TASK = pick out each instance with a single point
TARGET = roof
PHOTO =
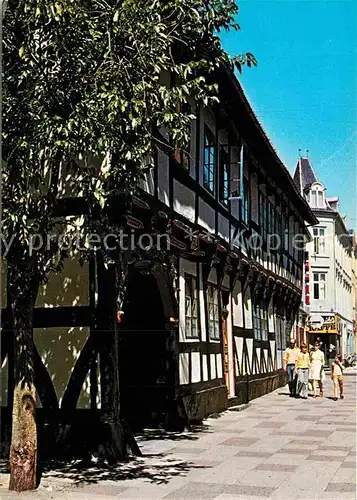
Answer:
(304, 175)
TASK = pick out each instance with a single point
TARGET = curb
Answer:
(239, 407)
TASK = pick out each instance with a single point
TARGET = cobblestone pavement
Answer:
(279, 448)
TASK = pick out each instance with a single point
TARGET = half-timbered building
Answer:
(208, 314)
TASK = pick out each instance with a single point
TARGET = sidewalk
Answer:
(279, 448)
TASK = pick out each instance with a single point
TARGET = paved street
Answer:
(278, 448)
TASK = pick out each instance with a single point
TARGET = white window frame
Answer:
(319, 279)
(319, 235)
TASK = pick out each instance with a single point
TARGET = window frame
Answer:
(319, 237)
(224, 168)
(214, 306)
(191, 285)
(245, 201)
(209, 167)
(319, 285)
(260, 321)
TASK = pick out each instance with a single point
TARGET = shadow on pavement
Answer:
(158, 469)
(192, 434)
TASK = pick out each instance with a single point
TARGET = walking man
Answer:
(302, 369)
(290, 357)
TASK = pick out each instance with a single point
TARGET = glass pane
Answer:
(188, 307)
(314, 198)
(188, 327)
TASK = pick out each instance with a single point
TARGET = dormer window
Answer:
(317, 197)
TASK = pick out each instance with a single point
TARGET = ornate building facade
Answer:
(328, 273)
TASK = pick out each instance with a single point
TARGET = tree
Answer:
(83, 79)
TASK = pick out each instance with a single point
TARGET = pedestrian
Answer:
(302, 369)
(289, 361)
(317, 360)
(337, 377)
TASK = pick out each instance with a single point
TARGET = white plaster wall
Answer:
(206, 216)
(59, 349)
(223, 228)
(184, 201)
(213, 366)
(248, 310)
(237, 305)
(205, 367)
(239, 351)
(202, 308)
(338, 297)
(68, 288)
(195, 367)
(184, 367)
(271, 326)
(219, 362)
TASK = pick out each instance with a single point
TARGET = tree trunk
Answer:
(117, 438)
(112, 446)
(23, 288)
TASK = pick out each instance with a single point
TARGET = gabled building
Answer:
(205, 321)
(328, 273)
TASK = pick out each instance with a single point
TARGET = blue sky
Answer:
(304, 89)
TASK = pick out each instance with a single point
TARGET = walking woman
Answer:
(302, 368)
(337, 377)
(317, 360)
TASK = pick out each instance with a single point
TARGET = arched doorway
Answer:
(147, 354)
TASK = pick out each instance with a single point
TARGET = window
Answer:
(319, 240)
(314, 199)
(286, 231)
(260, 322)
(209, 166)
(319, 286)
(280, 335)
(320, 199)
(245, 201)
(191, 307)
(213, 312)
(224, 175)
(272, 219)
(263, 216)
